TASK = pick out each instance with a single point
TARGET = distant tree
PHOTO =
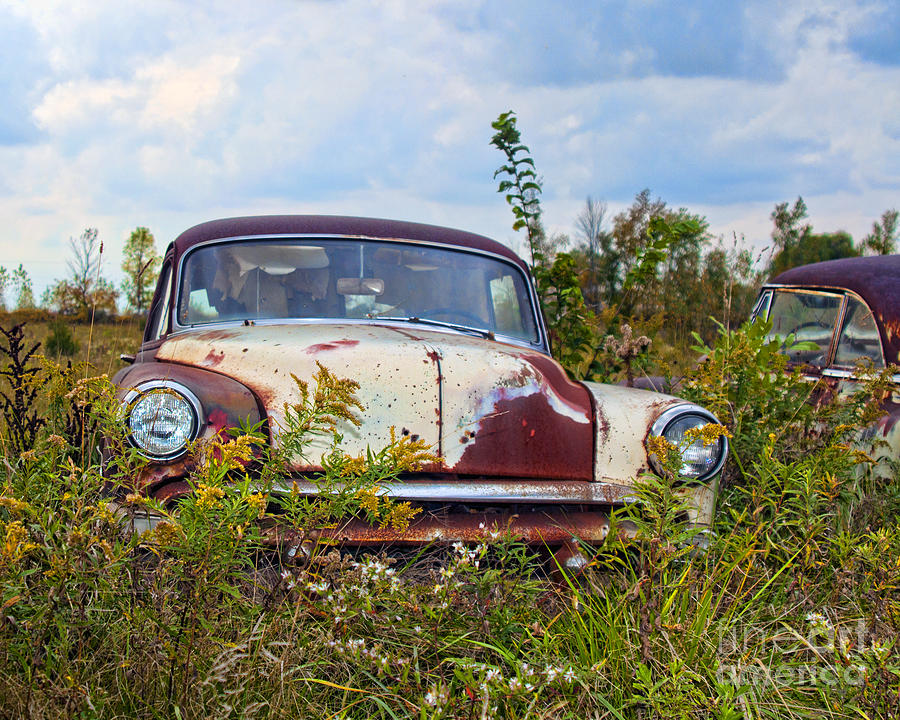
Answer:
(602, 258)
(788, 230)
(812, 248)
(630, 231)
(728, 286)
(84, 266)
(4, 283)
(24, 288)
(139, 264)
(646, 230)
(85, 290)
(794, 243)
(883, 238)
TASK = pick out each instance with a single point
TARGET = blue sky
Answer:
(170, 113)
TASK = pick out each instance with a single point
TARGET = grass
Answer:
(99, 344)
(792, 611)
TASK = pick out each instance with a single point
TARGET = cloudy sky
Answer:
(168, 113)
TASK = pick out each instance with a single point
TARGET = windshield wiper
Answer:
(481, 332)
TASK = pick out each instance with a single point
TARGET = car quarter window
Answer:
(158, 320)
(859, 337)
(761, 309)
(810, 317)
(505, 305)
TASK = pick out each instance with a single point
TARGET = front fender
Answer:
(623, 418)
(226, 404)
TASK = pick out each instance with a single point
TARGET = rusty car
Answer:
(443, 331)
(843, 315)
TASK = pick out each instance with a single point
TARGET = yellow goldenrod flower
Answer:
(208, 496)
(15, 506)
(15, 537)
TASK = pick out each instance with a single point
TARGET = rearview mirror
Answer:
(360, 286)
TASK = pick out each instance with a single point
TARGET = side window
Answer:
(158, 319)
(811, 317)
(507, 313)
(859, 337)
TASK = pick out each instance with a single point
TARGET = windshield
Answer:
(353, 279)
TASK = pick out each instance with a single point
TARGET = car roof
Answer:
(875, 278)
(267, 225)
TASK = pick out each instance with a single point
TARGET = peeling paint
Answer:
(335, 345)
(400, 390)
(212, 358)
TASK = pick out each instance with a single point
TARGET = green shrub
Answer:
(60, 341)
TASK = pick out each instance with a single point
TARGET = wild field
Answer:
(97, 343)
(789, 608)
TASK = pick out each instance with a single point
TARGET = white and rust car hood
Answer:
(487, 408)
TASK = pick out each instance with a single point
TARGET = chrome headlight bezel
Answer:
(174, 389)
(680, 412)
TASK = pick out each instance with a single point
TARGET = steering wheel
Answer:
(470, 318)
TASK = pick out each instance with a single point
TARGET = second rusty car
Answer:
(845, 317)
(443, 332)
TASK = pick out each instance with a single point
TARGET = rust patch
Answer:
(522, 377)
(153, 476)
(213, 335)
(325, 346)
(525, 437)
(213, 358)
(406, 334)
(602, 424)
(573, 394)
(172, 491)
(217, 421)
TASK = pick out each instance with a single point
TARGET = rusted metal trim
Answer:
(534, 528)
(500, 491)
(440, 383)
(840, 374)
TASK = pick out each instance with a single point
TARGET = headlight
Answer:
(163, 417)
(699, 461)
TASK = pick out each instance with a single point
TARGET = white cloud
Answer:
(179, 94)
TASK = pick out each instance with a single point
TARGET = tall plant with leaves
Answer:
(571, 324)
(17, 401)
(520, 181)
(576, 331)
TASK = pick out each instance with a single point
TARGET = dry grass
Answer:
(99, 343)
